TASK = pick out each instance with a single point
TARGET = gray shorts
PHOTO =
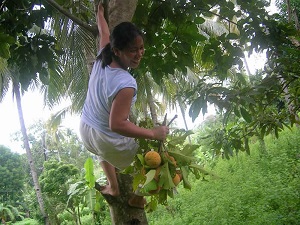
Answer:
(119, 152)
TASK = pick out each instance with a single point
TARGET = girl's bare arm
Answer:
(102, 27)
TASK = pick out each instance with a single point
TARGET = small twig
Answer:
(172, 120)
(165, 120)
(161, 143)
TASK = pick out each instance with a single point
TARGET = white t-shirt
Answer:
(104, 84)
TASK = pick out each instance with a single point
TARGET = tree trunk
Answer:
(290, 105)
(295, 13)
(121, 213)
(289, 10)
(182, 111)
(44, 145)
(120, 11)
(33, 172)
(150, 100)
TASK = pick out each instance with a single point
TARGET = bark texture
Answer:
(120, 11)
(121, 213)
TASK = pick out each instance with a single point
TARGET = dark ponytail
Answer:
(106, 55)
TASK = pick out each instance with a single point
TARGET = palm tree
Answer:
(9, 76)
(16, 90)
(8, 213)
(32, 55)
(5, 214)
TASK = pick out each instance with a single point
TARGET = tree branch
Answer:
(91, 28)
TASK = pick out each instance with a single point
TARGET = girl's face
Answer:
(131, 56)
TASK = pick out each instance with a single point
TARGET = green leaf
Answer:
(163, 196)
(150, 186)
(89, 173)
(91, 198)
(180, 140)
(74, 188)
(236, 111)
(232, 36)
(276, 132)
(199, 20)
(149, 176)
(99, 202)
(195, 108)
(199, 168)
(165, 181)
(181, 159)
(186, 183)
(141, 158)
(4, 50)
(152, 205)
(137, 180)
(189, 149)
(247, 146)
(247, 117)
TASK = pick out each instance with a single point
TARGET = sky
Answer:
(33, 111)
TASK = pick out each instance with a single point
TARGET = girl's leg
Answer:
(113, 187)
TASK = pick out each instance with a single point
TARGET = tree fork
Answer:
(120, 211)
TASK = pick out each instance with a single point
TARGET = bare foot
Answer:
(108, 190)
(137, 202)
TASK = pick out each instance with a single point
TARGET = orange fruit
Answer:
(176, 179)
(179, 173)
(152, 159)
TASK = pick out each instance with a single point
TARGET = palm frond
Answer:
(78, 45)
(4, 78)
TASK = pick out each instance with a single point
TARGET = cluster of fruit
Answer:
(160, 172)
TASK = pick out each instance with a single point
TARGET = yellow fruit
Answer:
(176, 179)
(152, 159)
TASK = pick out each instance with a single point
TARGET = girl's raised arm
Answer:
(102, 27)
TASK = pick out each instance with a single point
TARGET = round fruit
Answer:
(176, 179)
(152, 159)
(179, 173)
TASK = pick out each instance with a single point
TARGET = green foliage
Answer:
(12, 176)
(83, 194)
(256, 189)
(26, 44)
(28, 221)
(55, 181)
(62, 145)
(9, 214)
